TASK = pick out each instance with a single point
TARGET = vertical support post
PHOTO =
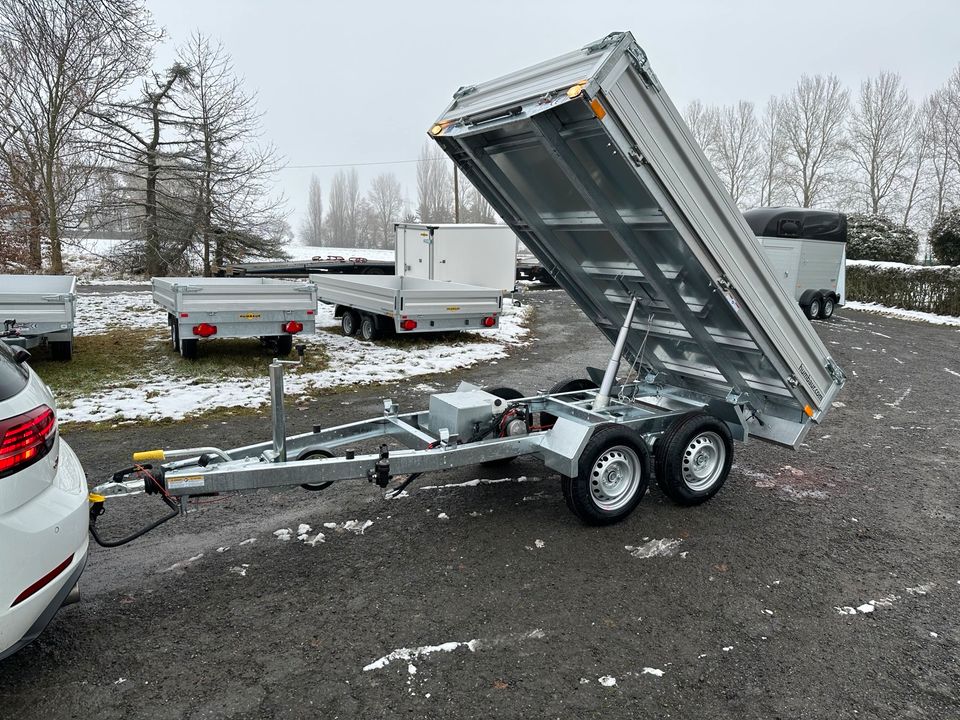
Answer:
(279, 417)
(456, 193)
(610, 376)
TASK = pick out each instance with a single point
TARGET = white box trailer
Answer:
(375, 305)
(807, 250)
(478, 254)
(271, 310)
(37, 310)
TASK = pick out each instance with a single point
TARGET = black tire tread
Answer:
(672, 443)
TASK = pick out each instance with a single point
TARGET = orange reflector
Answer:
(598, 109)
(575, 90)
(808, 410)
(436, 130)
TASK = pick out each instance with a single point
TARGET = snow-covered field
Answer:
(150, 394)
(903, 314)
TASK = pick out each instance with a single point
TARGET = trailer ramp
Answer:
(589, 162)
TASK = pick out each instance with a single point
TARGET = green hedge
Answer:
(912, 287)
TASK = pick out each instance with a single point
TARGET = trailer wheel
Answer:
(692, 458)
(175, 336)
(612, 478)
(312, 453)
(369, 328)
(61, 350)
(284, 344)
(190, 349)
(504, 393)
(827, 307)
(566, 385)
(812, 306)
(349, 322)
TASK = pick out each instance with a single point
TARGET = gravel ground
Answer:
(737, 618)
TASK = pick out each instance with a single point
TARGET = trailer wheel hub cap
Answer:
(703, 461)
(614, 478)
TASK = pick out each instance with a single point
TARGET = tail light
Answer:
(489, 321)
(26, 438)
(204, 330)
(293, 327)
(408, 324)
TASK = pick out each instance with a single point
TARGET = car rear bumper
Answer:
(53, 606)
(36, 538)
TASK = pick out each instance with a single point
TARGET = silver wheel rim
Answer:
(703, 461)
(828, 307)
(348, 326)
(815, 308)
(615, 478)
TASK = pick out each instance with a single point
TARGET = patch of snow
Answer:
(443, 516)
(652, 671)
(283, 534)
(539, 543)
(728, 648)
(99, 313)
(903, 314)
(240, 570)
(866, 608)
(665, 547)
(354, 526)
(184, 563)
(248, 541)
(223, 549)
(410, 654)
(607, 681)
(153, 394)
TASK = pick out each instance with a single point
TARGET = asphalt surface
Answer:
(741, 619)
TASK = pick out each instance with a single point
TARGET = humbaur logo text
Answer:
(808, 379)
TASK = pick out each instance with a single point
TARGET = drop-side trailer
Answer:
(200, 308)
(38, 309)
(586, 158)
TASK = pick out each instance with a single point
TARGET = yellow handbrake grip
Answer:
(148, 455)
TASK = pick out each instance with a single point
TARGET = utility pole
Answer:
(456, 194)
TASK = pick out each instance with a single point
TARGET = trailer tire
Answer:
(369, 328)
(811, 302)
(284, 345)
(692, 459)
(827, 307)
(306, 455)
(61, 350)
(349, 322)
(566, 385)
(190, 349)
(175, 335)
(505, 393)
(612, 477)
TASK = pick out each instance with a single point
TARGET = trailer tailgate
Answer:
(588, 160)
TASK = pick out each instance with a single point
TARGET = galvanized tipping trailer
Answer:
(37, 309)
(588, 161)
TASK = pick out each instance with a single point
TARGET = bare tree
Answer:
(434, 185)
(735, 152)
(814, 115)
(880, 140)
(921, 138)
(311, 230)
(702, 121)
(63, 58)
(344, 209)
(474, 206)
(773, 142)
(386, 205)
(137, 142)
(237, 214)
(938, 111)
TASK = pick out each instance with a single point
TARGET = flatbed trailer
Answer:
(333, 264)
(586, 158)
(374, 306)
(39, 309)
(201, 307)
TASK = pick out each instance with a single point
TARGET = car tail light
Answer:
(293, 327)
(205, 330)
(26, 438)
(489, 321)
(408, 324)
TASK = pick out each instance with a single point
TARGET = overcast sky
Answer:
(359, 83)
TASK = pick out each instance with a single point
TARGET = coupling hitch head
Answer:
(380, 474)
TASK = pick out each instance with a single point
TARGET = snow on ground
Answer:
(156, 395)
(665, 547)
(903, 314)
(898, 266)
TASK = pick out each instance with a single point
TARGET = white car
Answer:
(43, 507)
